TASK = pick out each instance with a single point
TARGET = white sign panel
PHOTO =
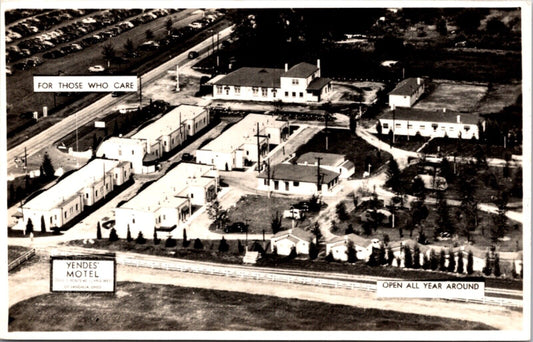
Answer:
(84, 84)
(99, 124)
(80, 275)
(431, 289)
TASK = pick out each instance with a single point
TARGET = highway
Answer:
(99, 108)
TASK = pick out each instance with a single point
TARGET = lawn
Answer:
(404, 142)
(150, 307)
(340, 141)
(13, 252)
(264, 209)
(454, 96)
(467, 148)
(499, 97)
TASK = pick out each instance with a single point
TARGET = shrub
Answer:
(425, 262)
(408, 257)
(156, 239)
(460, 262)
(451, 261)
(390, 256)
(113, 235)
(351, 252)
(433, 260)
(43, 226)
(240, 247)
(128, 235)
(470, 263)
(313, 251)
(170, 242)
(329, 257)
(185, 241)
(416, 258)
(98, 231)
(223, 245)
(198, 244)
(292, 254)
(487, 270)
(275, 224)
(497, 271)
(140, 239)
(29, 226)
(341, 211)
(442, 260)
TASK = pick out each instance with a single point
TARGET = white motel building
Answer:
(65, 200)
(149, 144)
(435, 124)
(406, 92)
(301, 83)
(167, 203)
(237, 147)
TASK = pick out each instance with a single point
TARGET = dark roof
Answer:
(330, 159)
(299, 173)
(407, 87)
(301, 70)
(318, 83)
(432, 115)
(253, 77)
(296, 232)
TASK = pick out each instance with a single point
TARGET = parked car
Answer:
(149, 45)
(193, 54)
(303, 206)
(236, 227)
(293, 213)
(96, 68)
(187, 157)
(383, 215)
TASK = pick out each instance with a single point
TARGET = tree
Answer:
(353, 124)
(275, 223)
(495, 26)
(351, 252)
(170, 242)
(517, 190)
(349, 229)
(433, 260)
(468, 214)
(407, 257)
(334, 227)
(185, 242)
(156, 239)
(500, 227)
(113, 235)
(129, 47)
(497, 271)
(108, 52)
(116, 130)
(340, 209)
(487, 270)
(217, 214)
(329, 257)
(29, 227)
(393, 176)
(418, 189)
(470, 263)
(313, 250)
(425, 262)
(43, 225)
(460, 262)
(441, 27)
(469, 20)
(240, 247)
(379, 129)
(316, 232)
(98, 231)
(443, 220)
(149, 34)
(198, 244)
(442, 260)
(382, 255)
(390, 255)
(223, 245)
(293, 253)
(47, 166)
(128, 235)
(446, 169)
(140, 238)
(416, 258)
(168, 25)
(451, 261)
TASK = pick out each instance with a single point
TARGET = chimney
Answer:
(418, 81)
(444, 110)
(286, 67)
(318, 63)
(458, 118)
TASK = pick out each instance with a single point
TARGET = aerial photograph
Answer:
(185, 173)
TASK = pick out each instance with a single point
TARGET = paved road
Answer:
(97, 109)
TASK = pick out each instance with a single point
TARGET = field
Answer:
(454, 96)
(13, 252)
(354, 148)
(147, 307)
(499, 97)
(467, 148)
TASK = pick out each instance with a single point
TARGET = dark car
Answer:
(187, 157)
(303, 206)
(236, 227)
(193, 54)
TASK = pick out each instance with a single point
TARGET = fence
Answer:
(21, 259)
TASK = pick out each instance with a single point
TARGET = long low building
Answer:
(329, 161)
(301, 83)
(435, 124)
(407, 92)
(167, 203)
(237, 147)
(149, 144)
(297, 180)
(61, 203)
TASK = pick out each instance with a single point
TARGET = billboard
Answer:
(85, 273)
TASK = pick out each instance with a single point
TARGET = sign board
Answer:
(82, 84)
(83, 273)
(448, 289)
(99, 124)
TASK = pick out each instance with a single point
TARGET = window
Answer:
(50, 219)
(119, 152)
(192, 195)
(132, 152)
(172, 141)
(76, 207)
(398, 125)
(409, 126)
(295, 183)
(106, 187)
(466, 128)
(133, 220)
(293, 94)
(274, 92)
(237, 90)
(422, 127)
(96, 195)
(165, 143)
(286, 94)
(443, 128)
(86, 195)
(255, 91)
(65, 214)
(451, 128)
(264, 92)
(219, 89)
(435, 126)
(164, 217)
(385, 125)
(247, 153)
(301, 94)
(266, 182)
(227, 90)
(286, 186)
(295, 81)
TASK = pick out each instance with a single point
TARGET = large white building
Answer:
(406, 92)
(297, 179)
(65, 200)
(329, 161)
(149, 144)
(301, 83)
(237, 146)
(167, 203)
(435, 124)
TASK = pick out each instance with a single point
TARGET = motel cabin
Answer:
(67, 199)
(407, 92)
(283, 242)
(338, 247)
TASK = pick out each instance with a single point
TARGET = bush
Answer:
(416, 258)
(240, 247)
(433, 260)
(170, 242)
(408, 257)
(140, 239)
(156, 239)
(113, 235)
(390, 256)
(487, 270)
(223, 245)
(128, 236)
(460, 262)
(198, 244)
(451, 261)
(341, 211)
(497, 271)
(292, 254)
(470, 263)
(313, 251)
(98, 231)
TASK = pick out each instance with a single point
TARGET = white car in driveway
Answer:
(96, 68)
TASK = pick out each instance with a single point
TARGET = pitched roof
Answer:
(413, 114)
(296, 232)
(407, 87)
(301, 70)
(253, 77)
(330, 159)
(356, 239)
(299, 173)
(318, 83)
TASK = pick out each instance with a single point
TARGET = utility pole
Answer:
(258, 151)
(318, 174)
(140, 92)
(393, 125)
(326, 116)
(268, 177)
(177, 77)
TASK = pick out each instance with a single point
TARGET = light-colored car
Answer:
(96, 68)
(293, 213)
